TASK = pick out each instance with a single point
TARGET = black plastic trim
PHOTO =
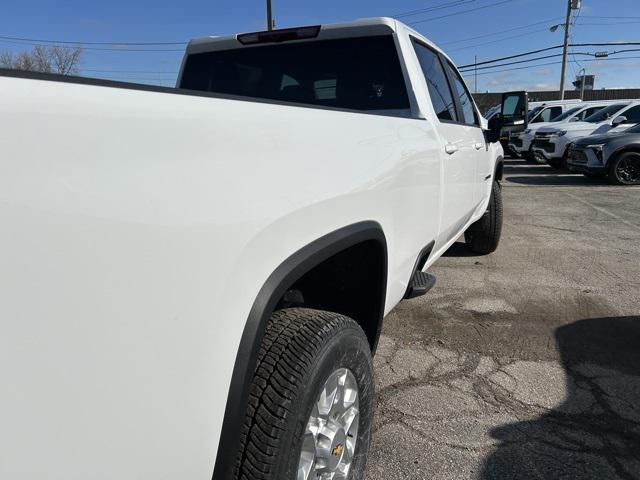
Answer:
(423, 256)
(292, 269)
(98, 82)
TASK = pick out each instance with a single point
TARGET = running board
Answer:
(420, 284)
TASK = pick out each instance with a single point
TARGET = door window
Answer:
(588, 112)
(547, 114)
(437, 83)
(464, 99)
(633, 114)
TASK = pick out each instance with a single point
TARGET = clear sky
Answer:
(486, 32)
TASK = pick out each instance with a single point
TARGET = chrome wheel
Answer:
(332, 430)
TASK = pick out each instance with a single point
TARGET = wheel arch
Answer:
(633, 148)
(294, 269)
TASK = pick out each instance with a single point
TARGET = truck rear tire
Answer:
(311, 401)
(483, 236)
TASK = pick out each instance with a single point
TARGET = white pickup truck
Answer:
(194, 279)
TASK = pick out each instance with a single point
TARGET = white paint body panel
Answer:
(137, 230)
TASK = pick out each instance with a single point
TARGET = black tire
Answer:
(528, 156)
(625, 169)
(483, 236)
(557, 163)
(300, 350)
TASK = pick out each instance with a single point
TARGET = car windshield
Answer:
(566, 114)
(533, 112)
(605, 113)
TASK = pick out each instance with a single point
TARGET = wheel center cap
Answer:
(338, 447)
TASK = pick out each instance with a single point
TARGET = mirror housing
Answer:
(515, 106)
(618, 120)
(494, 129)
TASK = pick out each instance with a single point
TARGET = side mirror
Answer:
(494, 127)
(514, 111)
(618, 120)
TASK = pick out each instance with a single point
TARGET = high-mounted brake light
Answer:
(277, 36)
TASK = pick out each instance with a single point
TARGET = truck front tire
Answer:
(311, 401)
(483, 236)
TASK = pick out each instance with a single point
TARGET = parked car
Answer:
(194, 279)
(615, 154)
(520, 143)
(551, 144)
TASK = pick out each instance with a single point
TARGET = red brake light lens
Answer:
(277, 36)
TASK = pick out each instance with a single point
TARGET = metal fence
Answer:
(488, 100)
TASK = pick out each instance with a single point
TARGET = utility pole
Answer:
(571, 5)
(269, 16)
(475, 61)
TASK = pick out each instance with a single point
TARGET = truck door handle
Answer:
(478, 146)
(450, 148)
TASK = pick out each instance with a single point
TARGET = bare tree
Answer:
(54, 59)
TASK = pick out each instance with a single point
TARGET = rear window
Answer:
(605, 113)
(355, 73)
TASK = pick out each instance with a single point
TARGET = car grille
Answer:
(578, 157)
(544, 144)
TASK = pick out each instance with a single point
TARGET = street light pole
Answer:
(567, 33)
(269, 16)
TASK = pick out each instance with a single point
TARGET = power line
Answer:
(500, 32)
(462, 12)
(527, 61)
(450, 4)
(15, 42)
(589, 54)
(517, 55)
(496, 41)
(37, 40)
(531, 52)
(468, 73)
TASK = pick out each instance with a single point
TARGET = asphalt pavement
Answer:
(523, 364)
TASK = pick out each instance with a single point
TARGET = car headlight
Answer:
(527, 131)
(597, 148)
(559, 133)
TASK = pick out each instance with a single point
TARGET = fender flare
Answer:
(499, 169)
(292, 269)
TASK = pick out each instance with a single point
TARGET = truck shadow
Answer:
(461, 249)
(595, 432)
(557, 179)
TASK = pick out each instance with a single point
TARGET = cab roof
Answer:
(364, 27)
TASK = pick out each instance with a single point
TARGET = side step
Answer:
(420, 284)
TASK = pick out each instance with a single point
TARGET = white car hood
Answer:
(569, 127)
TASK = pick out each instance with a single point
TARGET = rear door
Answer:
(458, 142)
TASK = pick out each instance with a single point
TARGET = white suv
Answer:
(520, 143)
(551, 144)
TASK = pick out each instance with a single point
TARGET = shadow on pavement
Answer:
(460, 249)
(557, 180)
(595, 433)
